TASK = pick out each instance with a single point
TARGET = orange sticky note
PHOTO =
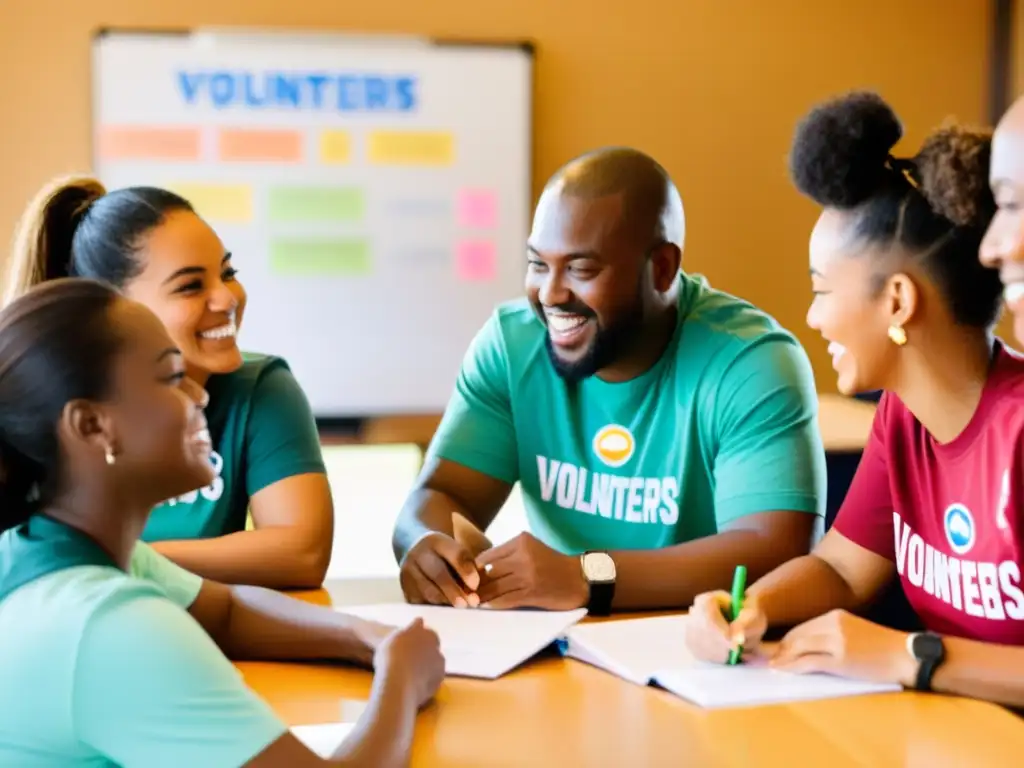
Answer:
(475, 260)
(477, 209)
(258, 145)
(146, 143)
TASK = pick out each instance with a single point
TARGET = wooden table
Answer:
(557, 712)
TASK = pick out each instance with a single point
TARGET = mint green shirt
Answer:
(99, 668)
(722, 426)
(263, 431)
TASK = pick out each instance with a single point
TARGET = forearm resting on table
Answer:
(982, 671)
(265, 625)
(672, 577)
(383, 736)
(802, 589)
(275, 557)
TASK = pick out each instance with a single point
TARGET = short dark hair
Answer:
(75, 228)
(57, 344)
(936, 205)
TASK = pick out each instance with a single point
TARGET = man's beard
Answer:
(608, 346)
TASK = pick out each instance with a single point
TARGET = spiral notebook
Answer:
(653, 652)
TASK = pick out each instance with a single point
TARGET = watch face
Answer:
(927, 646)
(598, 566)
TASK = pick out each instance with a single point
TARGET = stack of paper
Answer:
(653, 651)
(479, 642)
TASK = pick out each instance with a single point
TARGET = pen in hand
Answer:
(739, 587)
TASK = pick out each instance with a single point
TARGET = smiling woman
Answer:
(151, 245)
(935, 506)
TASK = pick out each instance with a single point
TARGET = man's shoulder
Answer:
(724, 328)
(732, 320)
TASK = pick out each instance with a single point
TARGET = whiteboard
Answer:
(374, 192)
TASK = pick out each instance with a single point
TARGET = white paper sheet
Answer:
(715, 686)
(479, 642)
(633, 649)
(653, 650)
(325, 738)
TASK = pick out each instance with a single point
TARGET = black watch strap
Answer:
(601, 594)
(928, 649)
(925, 672)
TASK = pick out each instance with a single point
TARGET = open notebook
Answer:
(652, 651)
(479, 642)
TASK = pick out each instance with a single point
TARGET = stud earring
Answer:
(109, 456)
(898, 335)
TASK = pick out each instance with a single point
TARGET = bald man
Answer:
(662, 432)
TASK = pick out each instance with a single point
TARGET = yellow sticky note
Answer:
(230, 203)
(411, 148)
(335, 147)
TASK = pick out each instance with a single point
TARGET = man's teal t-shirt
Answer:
(100, 668)
(263, 431)
(722, 426)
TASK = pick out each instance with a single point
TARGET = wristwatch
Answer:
(929, 651)
(599, 571)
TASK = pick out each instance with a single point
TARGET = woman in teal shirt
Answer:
(102, 666)
(151, 245)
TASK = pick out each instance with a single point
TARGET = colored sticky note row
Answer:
(233, 203)
(274, 145)
(475, 260)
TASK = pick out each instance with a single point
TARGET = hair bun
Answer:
(839, 152)
(953, 169)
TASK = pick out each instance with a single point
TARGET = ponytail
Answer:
(43, 240)
(57, 345)
(20, 483)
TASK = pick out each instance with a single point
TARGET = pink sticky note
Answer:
(477, 209)
(475, 260)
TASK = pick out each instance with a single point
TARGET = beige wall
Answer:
(712, 89)
(1017, 50)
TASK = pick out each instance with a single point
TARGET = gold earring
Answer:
(898, 335)
(109, 456)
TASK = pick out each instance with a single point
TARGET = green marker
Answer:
(739, 587)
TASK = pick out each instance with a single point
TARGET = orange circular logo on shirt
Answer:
(614, 445)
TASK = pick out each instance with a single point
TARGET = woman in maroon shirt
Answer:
(906, 306)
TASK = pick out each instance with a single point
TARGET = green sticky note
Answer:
(296, 204)
(336, 256)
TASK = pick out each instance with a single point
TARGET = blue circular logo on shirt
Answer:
(959, 525)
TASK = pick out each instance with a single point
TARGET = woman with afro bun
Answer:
(907, 307)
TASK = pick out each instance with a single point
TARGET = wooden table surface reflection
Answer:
(557, 712)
